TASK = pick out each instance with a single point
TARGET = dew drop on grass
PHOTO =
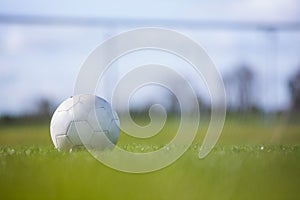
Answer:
(11, 151)
(262, 148)
(27, 152)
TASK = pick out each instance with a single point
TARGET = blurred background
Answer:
(254, 44)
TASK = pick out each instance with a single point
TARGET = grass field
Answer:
(252, 160)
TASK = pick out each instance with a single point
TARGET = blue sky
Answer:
(43, 61)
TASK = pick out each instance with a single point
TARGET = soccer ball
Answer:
(84, 120)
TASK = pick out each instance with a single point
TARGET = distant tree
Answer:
(239, 85)
(44, 108)
(245, 83)
(294, 86)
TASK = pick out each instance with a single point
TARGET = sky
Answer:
(42, 61)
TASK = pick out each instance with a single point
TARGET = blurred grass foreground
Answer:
(254, 159)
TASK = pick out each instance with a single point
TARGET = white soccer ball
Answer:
(84, 120)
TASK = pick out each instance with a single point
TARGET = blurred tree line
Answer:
(241, 92)
(44, 108)
(239, 86)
